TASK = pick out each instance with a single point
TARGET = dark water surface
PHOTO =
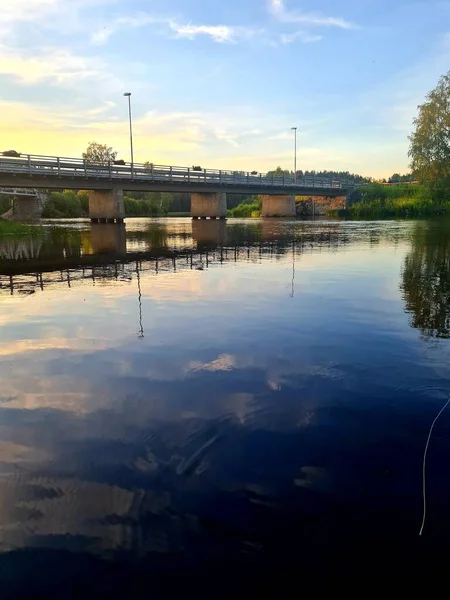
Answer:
(224, 403)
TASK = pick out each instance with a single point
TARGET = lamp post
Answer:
(294, 129)
(128, 95)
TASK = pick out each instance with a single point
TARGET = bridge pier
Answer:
(209, 205)
(26, 207)
(278, 206)
(106, 206)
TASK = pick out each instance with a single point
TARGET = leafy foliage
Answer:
(430, 140)
(278, 173)
(394, 200)
(67, 204)
(99, 154)
(250, 207)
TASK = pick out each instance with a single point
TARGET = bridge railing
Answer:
(38, 165)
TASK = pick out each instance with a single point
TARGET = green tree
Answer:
(430, 141)
(99, 154)
(278, 172)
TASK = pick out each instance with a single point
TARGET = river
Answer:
(222, 403)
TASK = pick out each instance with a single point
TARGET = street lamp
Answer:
(128, 94)
(294, 129)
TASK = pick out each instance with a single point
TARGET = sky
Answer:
(221, 84)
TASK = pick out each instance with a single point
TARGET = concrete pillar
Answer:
(26, 208)
(278, 206)
(106, 206)
(213, 206)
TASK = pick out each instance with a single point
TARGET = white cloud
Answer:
(306, 38)
(219, 33)
(278, 9)
(25, 10)
(285, 135)
(63, 15)
(18, 11)
(53, 65)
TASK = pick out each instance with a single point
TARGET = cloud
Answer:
(25, 10)
(285, 135)
(278, 9)
(218, 33)
(53, 65)
(306, 38)
(59, 15)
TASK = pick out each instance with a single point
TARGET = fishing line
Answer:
(424, 487)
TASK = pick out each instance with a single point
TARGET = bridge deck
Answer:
(29, 171)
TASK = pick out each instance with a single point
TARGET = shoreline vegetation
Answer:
(399, 200)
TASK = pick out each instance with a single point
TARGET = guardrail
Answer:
(17, 192)
(75, 167)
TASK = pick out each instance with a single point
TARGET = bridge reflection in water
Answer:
(107, 253)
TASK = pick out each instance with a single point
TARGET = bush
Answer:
(397, 201)
(66, 204)
(244, 211)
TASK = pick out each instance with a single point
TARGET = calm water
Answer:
(223, 403)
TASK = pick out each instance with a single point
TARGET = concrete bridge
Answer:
(208, 187)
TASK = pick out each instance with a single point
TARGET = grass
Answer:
(15, 228)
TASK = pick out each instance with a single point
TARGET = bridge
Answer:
(208, 187)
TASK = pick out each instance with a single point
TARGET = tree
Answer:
(99, 154)
(278, 172)
(430, 140)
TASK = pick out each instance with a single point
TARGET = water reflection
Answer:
(107, 238)
(99, 252)
(426, 279)
(270, 418)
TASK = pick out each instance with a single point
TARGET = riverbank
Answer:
(407, 200)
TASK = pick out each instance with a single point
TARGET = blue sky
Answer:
(221, 83)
